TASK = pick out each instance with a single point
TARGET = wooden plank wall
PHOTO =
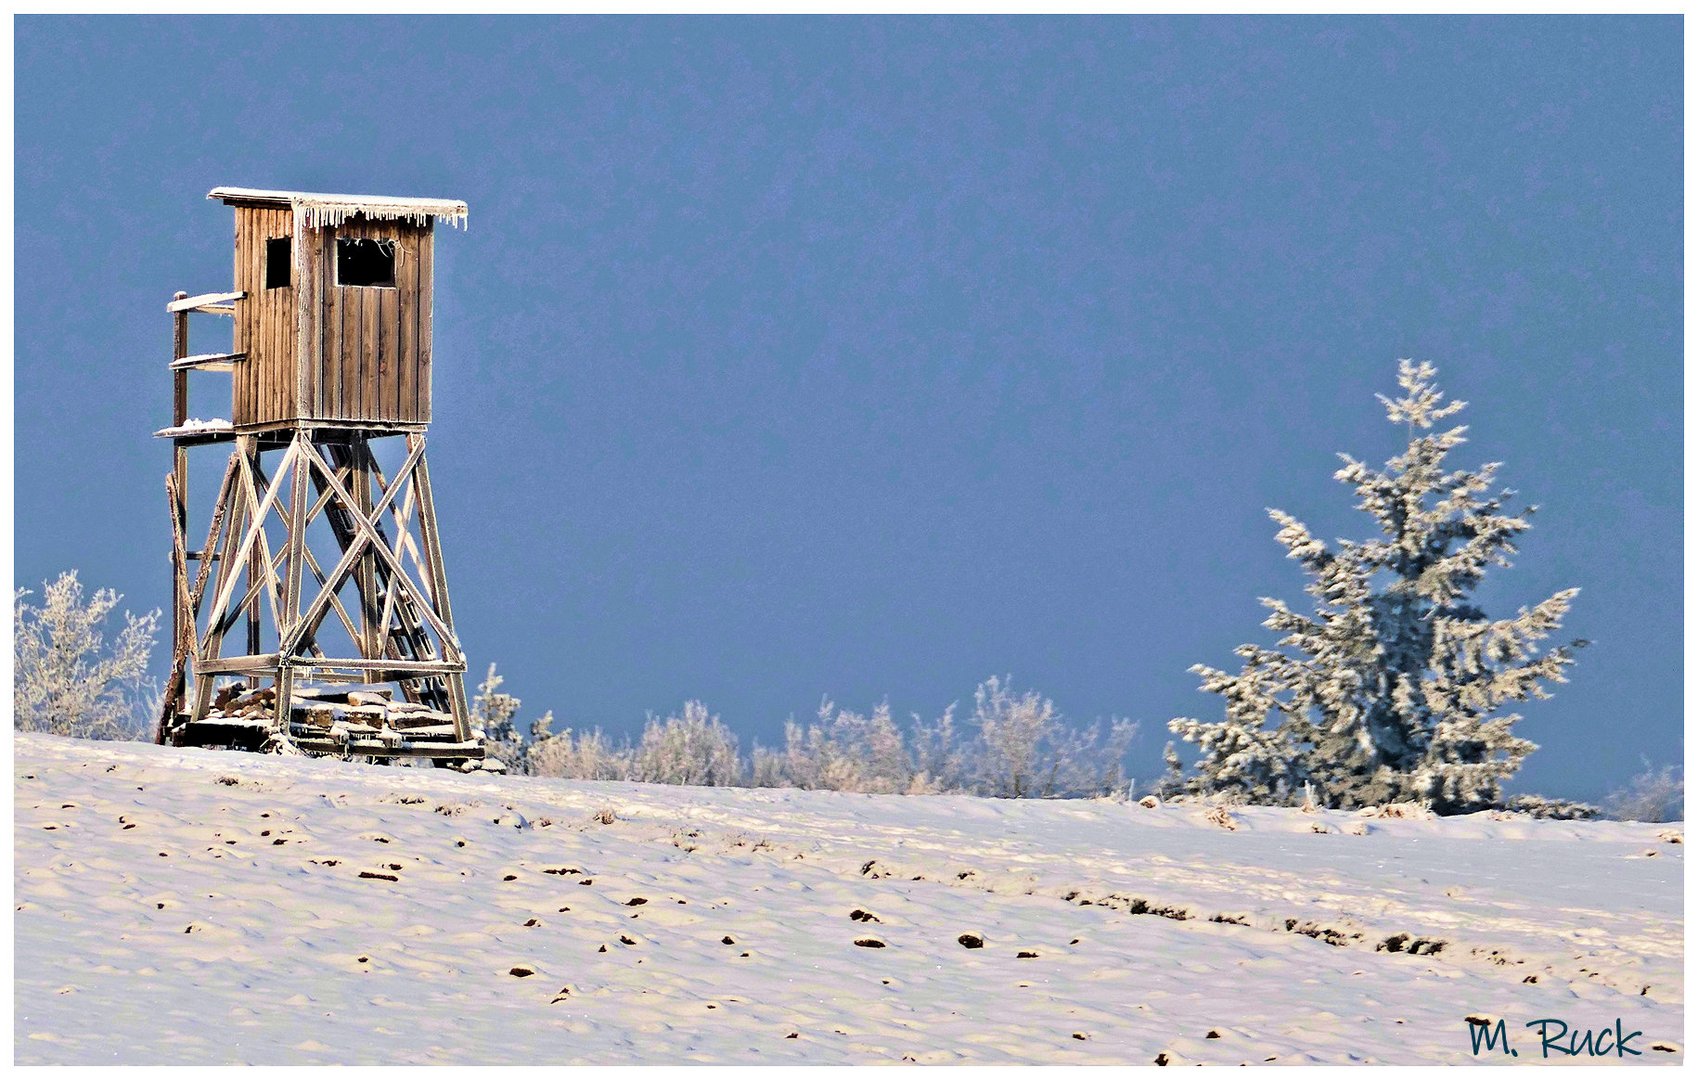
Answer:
(373, 362)
(366, 351)
(263, 385)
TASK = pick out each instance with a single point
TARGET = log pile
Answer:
(366, 712)
(367, 721)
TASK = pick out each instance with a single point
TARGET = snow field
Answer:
(177, 906)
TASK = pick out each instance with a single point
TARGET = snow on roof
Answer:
(319, 209)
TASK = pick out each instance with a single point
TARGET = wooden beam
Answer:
(226, 525)
(227, 582)
(185, 304)
(367, 535)
(208, 362)
(290, 635)
(414, 667)
(179, 606)
(365, 575)
(335, 601)
(264, 664)
(439, 583)
(259, 557)
(178, 490)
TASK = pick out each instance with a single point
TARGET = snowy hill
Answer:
(196, 907)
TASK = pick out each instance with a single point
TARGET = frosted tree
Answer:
(493, 713)
(1653, 795)
(939, 758)
(842, 751)
(1394, 688)
(1013, 728)
(584, 755)
(1026, 749)
(67, 678)
(692, 748)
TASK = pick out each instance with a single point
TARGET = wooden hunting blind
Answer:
(316, 613)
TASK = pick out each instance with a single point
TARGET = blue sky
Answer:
(871, 357)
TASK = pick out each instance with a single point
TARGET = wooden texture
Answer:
(373, 342)
(320, 350)
(264, 385)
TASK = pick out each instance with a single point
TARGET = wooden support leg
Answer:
(175, 684)
(258, 564)
(285, 685)
(182, 622)
(179, 607)
(365, 576)
(228, 567)
(293, 567)
(438, 580)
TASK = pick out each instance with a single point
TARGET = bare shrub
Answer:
(1220, 815)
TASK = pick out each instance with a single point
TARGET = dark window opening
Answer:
(365, 262)
(278, 259)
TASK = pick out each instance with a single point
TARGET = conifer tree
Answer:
(1394, 688)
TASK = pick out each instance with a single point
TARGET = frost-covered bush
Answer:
(1016, 746)
(67, 678)
(587, 755)
(1394, 689)
(692, 748)
(843, 751)
(1026, 750)
(937, 751)
(1653, 795)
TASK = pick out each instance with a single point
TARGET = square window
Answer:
(360, 261)
(279, 259)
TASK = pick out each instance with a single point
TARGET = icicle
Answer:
(318, 211)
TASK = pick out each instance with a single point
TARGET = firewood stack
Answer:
(347, 722)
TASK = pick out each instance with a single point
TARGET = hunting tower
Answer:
(316, 613)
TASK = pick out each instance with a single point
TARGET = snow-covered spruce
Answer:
(1392, 690)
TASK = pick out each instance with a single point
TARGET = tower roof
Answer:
(319, 209)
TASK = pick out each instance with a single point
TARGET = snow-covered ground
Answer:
(185, 906)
